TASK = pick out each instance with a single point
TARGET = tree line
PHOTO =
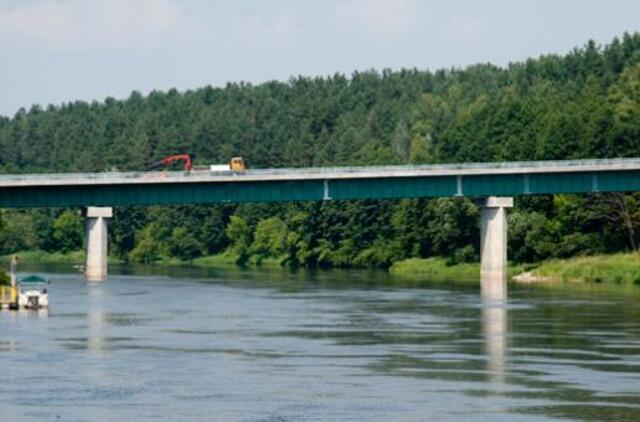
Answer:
(585, 104)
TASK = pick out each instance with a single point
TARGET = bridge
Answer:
(493, 183)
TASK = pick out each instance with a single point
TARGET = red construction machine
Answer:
(236, 164)
(167, 161)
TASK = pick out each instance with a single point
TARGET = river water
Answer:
(338, 345)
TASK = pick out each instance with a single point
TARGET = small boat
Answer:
(33, 292)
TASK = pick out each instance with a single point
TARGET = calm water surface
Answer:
(277, 346)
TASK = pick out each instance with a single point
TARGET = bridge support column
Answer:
(96, 231)
(493, 244)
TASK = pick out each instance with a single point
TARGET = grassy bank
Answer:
(229, 259)
(225, 259)
(434, 269)
(437, 269)
(43, 257)
(622, 268)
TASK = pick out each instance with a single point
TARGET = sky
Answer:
(56, 51)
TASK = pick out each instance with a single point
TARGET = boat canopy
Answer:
(33, 279)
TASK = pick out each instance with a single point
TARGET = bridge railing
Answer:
(178, 175)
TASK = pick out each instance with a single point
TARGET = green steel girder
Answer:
(150, 194)
(405, 187)
(316, 190)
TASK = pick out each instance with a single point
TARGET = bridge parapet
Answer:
(324, 173)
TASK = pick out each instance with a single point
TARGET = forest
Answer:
(585, 104)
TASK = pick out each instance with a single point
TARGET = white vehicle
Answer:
(33, 292)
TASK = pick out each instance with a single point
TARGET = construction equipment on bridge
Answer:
(235, 164)
(167, 161)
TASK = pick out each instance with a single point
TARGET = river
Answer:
(273, 345)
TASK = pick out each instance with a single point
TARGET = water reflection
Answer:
(95, 318)
(243, 348)
(494, 327)
(35, 313)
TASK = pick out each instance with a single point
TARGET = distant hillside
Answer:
(583, 104)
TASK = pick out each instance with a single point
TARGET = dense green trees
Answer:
(68, 231)
(239, 234)
(269, 240)
(583, 104)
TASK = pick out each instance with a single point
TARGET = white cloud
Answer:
(467, 28)
(80, 26)
(255, 30)
(380, 18)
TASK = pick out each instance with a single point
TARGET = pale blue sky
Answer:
(54, 51)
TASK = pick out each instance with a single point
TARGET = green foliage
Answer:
(239, 236)
(68, 231)
(435, 269)
(381, 254)
(149, 248)
(624, 97)
(42, 223)
(269, 240)
(124, 229)
(183, 245)
(621, 268)
(453, 223)
(419, 150)
(465, 254)
(5, 280)
(401, 142)
(77, 257)
(529, 238)
(439, 269)
(19, 234)
(583, 104)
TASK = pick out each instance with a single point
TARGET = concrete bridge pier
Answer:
(493, 245)
(96, 232)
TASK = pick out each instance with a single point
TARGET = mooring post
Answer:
(493, 243)
(97, 242)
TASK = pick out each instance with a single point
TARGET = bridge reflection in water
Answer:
(495, 330)
(95, 319)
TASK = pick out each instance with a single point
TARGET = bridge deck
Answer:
(320, 184)
(320, 173)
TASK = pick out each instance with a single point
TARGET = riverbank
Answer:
(437, 269)
(621, 268)
(43, 257)
(224, 259)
